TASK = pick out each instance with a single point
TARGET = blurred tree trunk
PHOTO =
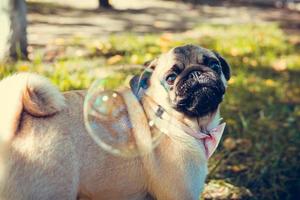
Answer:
(104, 4)
(13, 37)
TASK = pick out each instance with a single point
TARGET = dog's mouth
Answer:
(198, 93)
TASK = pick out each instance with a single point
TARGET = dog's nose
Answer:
(195, 75)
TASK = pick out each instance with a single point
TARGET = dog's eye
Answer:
(171, 78)
(214, 65)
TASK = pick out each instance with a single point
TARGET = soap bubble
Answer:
(107, 121)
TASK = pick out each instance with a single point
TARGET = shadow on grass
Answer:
(260, 147)
(157, 19)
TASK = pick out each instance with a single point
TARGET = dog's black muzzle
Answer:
(199, 90)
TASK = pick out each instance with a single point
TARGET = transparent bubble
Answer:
(107, 121)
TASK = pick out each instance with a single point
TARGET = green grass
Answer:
(260, 148)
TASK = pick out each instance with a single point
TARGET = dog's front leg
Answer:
(178, 187)
(175, 176)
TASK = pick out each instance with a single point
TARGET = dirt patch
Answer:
(53, 19)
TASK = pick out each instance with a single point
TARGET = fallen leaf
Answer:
(229, 143)
(114, 59)
(279, 65)
(244, 144)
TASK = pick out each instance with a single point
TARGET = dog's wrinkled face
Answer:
(193, 77)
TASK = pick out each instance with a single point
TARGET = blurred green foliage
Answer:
(260, 149)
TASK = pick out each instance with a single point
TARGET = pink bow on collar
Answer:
(210, 140)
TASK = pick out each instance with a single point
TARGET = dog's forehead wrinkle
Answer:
(183, 50)
(190, 54)
(183, 60)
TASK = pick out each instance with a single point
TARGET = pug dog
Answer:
(46, 152)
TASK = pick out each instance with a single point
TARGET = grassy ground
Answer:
(259, 155)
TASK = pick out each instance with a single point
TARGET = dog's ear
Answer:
(142, 81)
(151, 64)
(146, 74)
(225, 66)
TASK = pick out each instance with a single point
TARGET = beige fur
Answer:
(46, 152)
(29, 91)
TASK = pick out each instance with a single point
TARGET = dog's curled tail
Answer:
(30, 92)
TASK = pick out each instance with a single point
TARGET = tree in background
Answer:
(13, 37)
(104, 4)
